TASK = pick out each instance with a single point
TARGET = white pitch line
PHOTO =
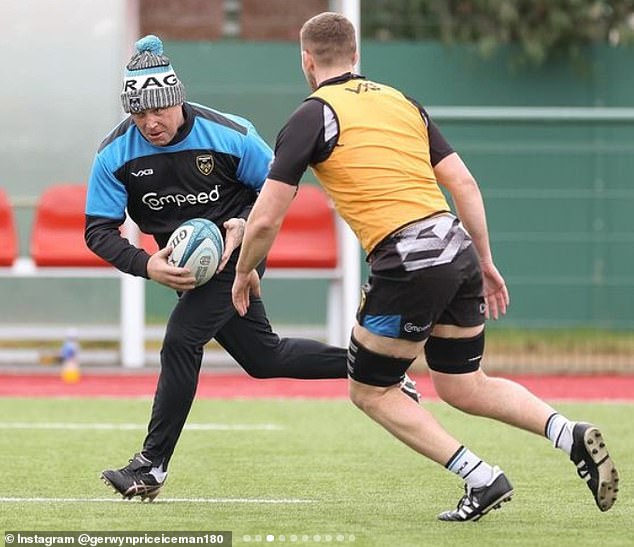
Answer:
(130, 427)
(161, 500)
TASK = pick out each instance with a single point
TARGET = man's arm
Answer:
(454, 175)
(299, 143)
(262, 227)
(103, 238)
(234, 233)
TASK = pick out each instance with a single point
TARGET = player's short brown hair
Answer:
(330, 38)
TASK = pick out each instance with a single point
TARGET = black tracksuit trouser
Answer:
(207, 312)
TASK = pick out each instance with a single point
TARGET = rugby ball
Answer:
(197, 244)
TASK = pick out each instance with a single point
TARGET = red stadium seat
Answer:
(308, 237)
(8, 234)
(148, 243)
(57, 238)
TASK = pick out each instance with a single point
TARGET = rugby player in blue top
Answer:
(168, 162)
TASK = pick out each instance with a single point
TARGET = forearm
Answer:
(264, 223)
(452, 173)
(104, 239)
(258, 240)
(471, 211)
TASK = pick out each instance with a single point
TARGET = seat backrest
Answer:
(8, 234)
(148, 243)
(57, 237)
(308, 236)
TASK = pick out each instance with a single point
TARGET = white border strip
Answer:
(134, 427)
(160, 500)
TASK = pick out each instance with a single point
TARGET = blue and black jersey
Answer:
(213, 169)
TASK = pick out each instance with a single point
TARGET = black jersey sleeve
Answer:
(103, 238)
(439, 148)
(300, 143)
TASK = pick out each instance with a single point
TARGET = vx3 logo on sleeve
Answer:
(142, 173)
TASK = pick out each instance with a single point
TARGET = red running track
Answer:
(232, 386)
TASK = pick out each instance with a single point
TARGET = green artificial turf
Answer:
(315, 472)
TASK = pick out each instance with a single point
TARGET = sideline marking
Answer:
(134, 427)
(162, 500)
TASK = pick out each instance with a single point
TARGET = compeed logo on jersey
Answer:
(158, 202)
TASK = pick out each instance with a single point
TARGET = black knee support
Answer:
(454, 355)
(375, 369)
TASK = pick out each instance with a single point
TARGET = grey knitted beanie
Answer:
(150, 81)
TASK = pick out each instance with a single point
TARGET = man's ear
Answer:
(308, 62)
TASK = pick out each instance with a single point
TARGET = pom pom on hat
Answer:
(150, 81)
(150, 43)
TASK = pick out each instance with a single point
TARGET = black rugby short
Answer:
(427, 273)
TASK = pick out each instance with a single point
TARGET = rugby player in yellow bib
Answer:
(432, 278)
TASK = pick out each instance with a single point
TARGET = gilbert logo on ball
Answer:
(197, 245)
